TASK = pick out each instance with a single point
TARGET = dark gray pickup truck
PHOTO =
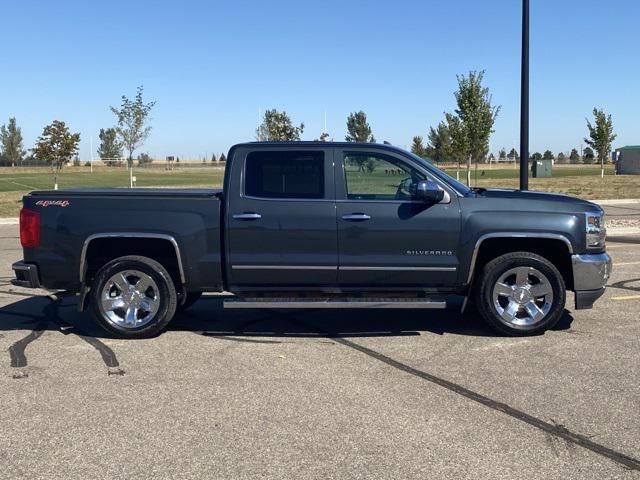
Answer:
(319, 225)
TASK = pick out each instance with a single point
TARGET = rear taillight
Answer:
(29, 228)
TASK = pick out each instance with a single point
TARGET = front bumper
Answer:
(26, 275)
(590, 275)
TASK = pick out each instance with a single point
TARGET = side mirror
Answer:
(428, 191)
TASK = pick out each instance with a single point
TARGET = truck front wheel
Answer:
(520, 293)
(133, 297)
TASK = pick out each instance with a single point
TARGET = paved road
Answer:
(317, 394)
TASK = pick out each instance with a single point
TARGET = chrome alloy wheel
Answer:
(130, 299)
(522, 296)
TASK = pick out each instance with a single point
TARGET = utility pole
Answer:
(524, 100)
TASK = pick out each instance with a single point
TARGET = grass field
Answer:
(578, 180)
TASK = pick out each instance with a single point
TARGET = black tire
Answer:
(190, 299)
(490, 300)
(164, 301)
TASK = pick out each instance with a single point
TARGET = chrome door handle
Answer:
(356, 217)
(247, 216)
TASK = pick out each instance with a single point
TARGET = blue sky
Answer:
(211, 65)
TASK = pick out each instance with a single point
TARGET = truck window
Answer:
(375, 177)
(284, 174)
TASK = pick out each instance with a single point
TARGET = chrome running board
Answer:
(302, 302)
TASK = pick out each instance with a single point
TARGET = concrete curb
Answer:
(9, 221)
(616, 201)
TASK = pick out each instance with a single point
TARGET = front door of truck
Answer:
(281, 227)
(385, 237)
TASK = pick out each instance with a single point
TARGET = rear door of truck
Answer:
(280, 218)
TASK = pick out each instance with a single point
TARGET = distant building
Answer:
(627, 160)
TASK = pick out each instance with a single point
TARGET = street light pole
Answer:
(524, 100)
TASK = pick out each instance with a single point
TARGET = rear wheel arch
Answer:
(100, 249)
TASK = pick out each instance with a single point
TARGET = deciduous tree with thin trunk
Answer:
(477, 115)
(56, 147)
(133, 118)
(600, 136)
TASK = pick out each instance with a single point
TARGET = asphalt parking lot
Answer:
(320, 394)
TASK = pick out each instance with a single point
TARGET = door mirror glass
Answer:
(427, 191)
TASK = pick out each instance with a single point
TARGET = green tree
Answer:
(439, 148)
(574, 157)
(11, 149)
(502, 155)
(222, 158)
(132, 127)
(536, 156)
(144, 159)
(513, 155)
(213, 158)
(588, 155)
(110, 150)
(277, 127)
(358, 128)
(477, 115)
(600, 136)
(547, 155)
(56, 147)
(459, 140)
(417, 147)
(561, 158)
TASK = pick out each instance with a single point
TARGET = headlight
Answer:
(596, 233)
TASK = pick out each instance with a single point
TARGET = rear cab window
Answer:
(285, 174)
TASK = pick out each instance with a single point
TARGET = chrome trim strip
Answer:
(382, 303)
(347, 268)
(160, 236)
(474, 257)
(356, 217)
(405, 269)
(247, 216)
(284, 267)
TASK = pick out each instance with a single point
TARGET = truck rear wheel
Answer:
(133, 297)
(520, 294)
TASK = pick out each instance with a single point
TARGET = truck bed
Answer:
(75, 220)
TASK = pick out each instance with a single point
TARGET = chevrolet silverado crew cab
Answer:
(319, 225)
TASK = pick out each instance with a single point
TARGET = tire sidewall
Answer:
(166, 291)
(492, 272)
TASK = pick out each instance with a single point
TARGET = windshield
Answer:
(459, 187)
